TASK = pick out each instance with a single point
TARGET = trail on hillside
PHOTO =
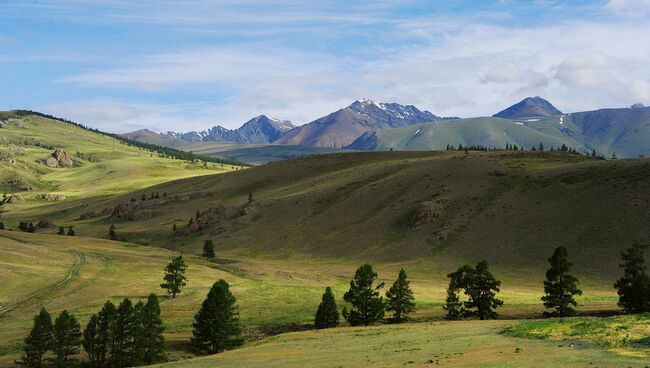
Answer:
(78, 260)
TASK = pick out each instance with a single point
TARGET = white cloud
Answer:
(629, 8)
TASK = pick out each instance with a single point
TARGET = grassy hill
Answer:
(100, 165)
(624, 131)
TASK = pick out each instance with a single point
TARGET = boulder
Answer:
(53, 197)
(13, 198)
(59, 158)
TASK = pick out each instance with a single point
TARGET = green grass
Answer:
(627, 335)
(446, 344)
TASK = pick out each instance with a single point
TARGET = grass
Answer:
(446, 344)
(627, 335)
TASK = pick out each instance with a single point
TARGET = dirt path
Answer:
(78, 260)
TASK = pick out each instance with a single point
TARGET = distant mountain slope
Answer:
(529, 107)
(340, 128)
(488, 132)
(259, 130)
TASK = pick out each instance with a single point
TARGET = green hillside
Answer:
(96, 164)
(608, 131)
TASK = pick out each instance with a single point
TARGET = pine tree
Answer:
(327, 314)
(399, 298)
(367, 304)
(39, 341)
(2, 225)
(67, 338)
(61, 230)
(453, 305)
(560, 286)
(634, 286)
(70, 231)
(208, 249)
(540, 148)
(175, 279)
(481, 288)
(144, 197)
(216, 325)
(97, 339)
(31, 228)
(122, 334)
(151, 343)
(593, 153)
(111, 232)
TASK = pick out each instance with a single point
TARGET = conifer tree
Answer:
(208, 249)
(540, 148)
(31, 228)
(122, 334)
(327, 314)
(481, 288)
(399, 298)
(38, 342)
(216, 325)
(67, 338)
(2, 225)
(367, 304)
(97, 336)
(151, 341)
(111, 232)
(560, 286)
(634, 286)
(61, 230)
(175, 279)
(70, 231)
(453, 305)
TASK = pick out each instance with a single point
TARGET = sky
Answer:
(121, 65)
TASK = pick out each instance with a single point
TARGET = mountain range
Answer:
(369, 125)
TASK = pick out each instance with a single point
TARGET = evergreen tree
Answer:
(453, 305)
(97, 339)
(175, 279)
(327, 314)
(481, 288)
(593, 153)
(144, 197)
(70, 231)
(61, 230)
(174, 228)
(122, 334)
(38, 342)
(208, 249)
(560, 286)
(399, 298)
(151, 342)
(634, 286)
(67, 338)
(216, 325)
(2, 225)
(367, 304)
(31, 228)
(111, 232)
(540, 148)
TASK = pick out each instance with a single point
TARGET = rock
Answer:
(427, 212)
(135, 211)
(45, 223)
(13, 198)
(53, 197)
(59, 158)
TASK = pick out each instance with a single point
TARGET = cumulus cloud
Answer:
(629, 8)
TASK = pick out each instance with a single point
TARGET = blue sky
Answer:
(179, 65)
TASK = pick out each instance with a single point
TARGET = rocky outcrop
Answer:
(136, 210)
(59, 158)
(53, 197)
(13, 198)
(427, 212)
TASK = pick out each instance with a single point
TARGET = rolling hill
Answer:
(88, 163)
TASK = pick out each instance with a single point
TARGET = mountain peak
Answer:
(529, 107)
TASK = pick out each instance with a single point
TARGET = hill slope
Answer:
(396, 206)
(95, 164)
(529, 107)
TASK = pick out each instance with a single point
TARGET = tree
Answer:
(216, 325)
(39, 341)
(31, 228)
(61, 230)
(175, 279)
(540, 148)
(634, 286)
(97, 339)
(151, 341)
(399, 298)
(327, 314)
(208, 249)
(67, 338)
(111, 232)
(122, 333)
(2, 225)
(481, 288)
(70, 231)
(367, 304)
(560, 286)
(453, 305)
